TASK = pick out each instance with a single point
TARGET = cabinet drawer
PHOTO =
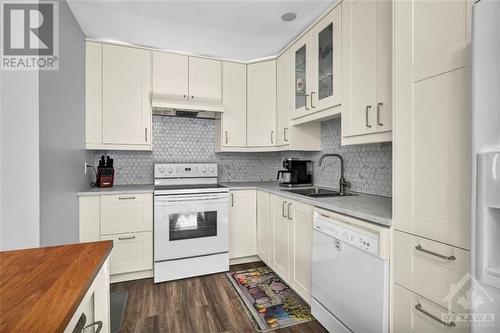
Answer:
(413, 313)
(420, 265)
(126, 213)
(131, 252)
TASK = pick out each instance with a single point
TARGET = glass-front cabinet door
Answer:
(301, 53)
(325, 89)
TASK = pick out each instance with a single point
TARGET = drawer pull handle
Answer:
(126, 198)
(126, 238)
(96, 323)
(421, 249)
(418, 307)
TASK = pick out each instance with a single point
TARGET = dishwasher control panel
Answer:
(365, 240)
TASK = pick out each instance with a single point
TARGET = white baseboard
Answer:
(243, 260)
(131, 276)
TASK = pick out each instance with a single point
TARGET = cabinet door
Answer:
(132, 252)
(170, 76)
(264, 227)
(205, 80)
(325, 88)
(432, 117)
(283, 102)
(234, 117)
(126, 105)
(93, 93)
(242, 224)
(359, 19)
(383, 108)
(126, 213)
(281, 227)
(409, 316)
(302, 228)
(261, 104)
(302, 69)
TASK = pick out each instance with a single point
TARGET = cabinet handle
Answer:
(126, 238)
(367, 110)
(272, 136)
(192, 97)
(421, 249)
(312, 94)
(126, 198)
(184, 96)
(232, 200)
(95, 323)
(379, 105)
(146, 134)
(418, 307)
(226, 137)
(285, 132)
(283, 209)
(288, 210)
(306, 95)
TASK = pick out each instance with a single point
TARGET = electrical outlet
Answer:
(85, 168)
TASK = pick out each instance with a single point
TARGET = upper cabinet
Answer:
(261, 104)
(316, 71)
(366, 71)
(178, 78)
(118, 106)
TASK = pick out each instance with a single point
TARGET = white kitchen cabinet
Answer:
(242, 224)
(261, 104)
(302, 69)
(264, 227)
(93, 94)
(431, 120)
(366, 71)
(429, 268)
(131, 252)
(416, 314)
(126, 88)
(126, 213)
(232, 129)
(129, 223)
(301, 216)
(288, 136)
(170, 76)
(205, 80)
(280, 237)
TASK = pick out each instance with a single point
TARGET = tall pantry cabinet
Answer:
(431, 160)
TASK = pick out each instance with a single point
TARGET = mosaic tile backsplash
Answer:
(367, 167)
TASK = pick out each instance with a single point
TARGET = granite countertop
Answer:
(372, 208)
(117, 189)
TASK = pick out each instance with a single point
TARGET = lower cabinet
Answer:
(127, 220)
(413, 313)
(291, 243)
(242, 224)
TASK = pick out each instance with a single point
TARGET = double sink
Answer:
(315, 192)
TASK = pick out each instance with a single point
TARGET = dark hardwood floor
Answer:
(203, 304)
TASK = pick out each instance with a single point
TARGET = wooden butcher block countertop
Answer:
(41, 288)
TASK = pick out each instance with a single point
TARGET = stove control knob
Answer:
(211, 169)
(170, 170)
(161, 170)
(204, 169)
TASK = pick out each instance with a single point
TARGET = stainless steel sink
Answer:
(317, 192)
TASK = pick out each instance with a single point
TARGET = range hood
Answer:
(186, 109)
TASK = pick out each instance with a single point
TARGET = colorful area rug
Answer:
(270, 301)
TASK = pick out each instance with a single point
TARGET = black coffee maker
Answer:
(297, 173)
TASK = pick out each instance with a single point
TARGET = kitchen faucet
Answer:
(342, 182)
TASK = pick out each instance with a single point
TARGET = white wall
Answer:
(19, 160)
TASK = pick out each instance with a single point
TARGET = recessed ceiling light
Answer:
(290, 16)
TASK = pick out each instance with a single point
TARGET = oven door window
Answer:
(192, 225)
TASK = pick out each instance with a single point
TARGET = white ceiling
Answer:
(231, 29)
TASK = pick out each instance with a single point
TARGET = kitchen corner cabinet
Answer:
(291, 239)
(231, 128)
(366, 71)
(127, 220)
(118, 105)
(261, 104)
(301, 137)
(242, 224)
(183, 78)
(316, 69)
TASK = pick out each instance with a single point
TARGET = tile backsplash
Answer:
(367, 167)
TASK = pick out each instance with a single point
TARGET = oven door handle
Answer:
(187, 197)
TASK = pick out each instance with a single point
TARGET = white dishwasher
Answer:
(350, 275)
